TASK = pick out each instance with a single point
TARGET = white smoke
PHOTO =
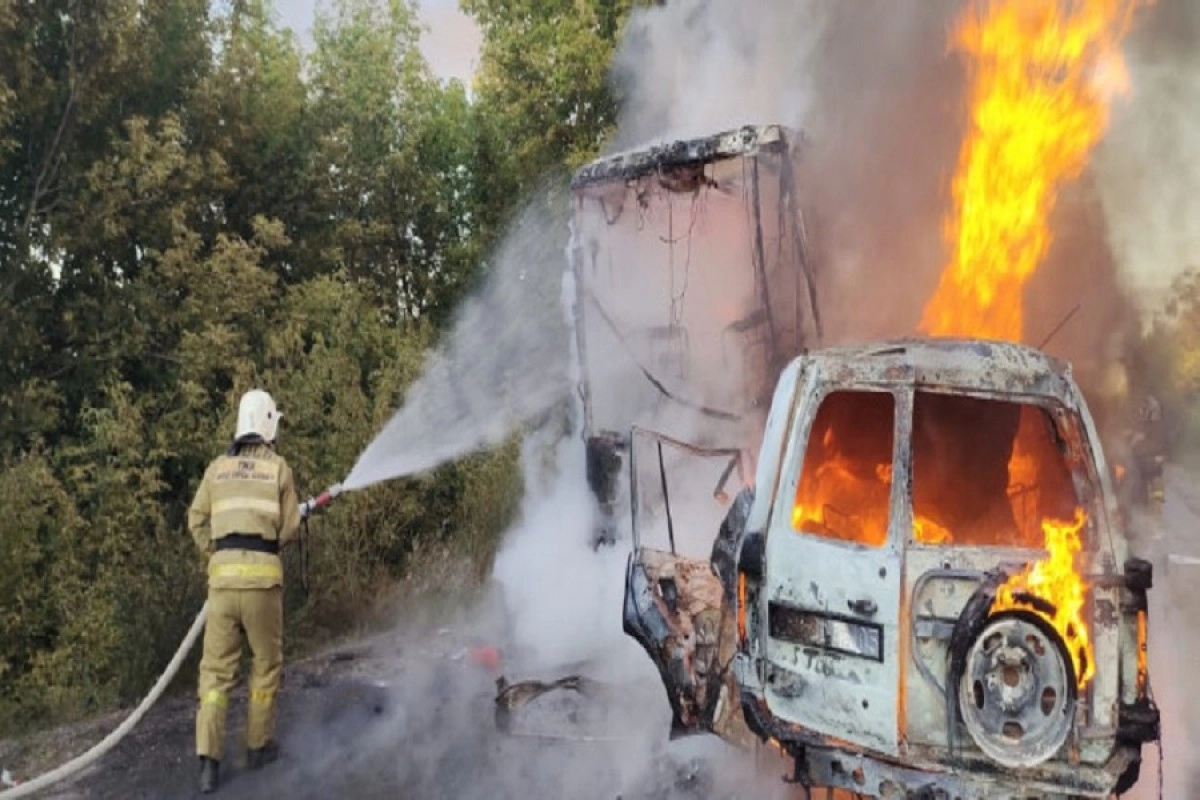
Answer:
(695, 67)
(1149, 165)
(1148, 172)
(872, 90)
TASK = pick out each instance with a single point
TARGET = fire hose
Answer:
(80, 762)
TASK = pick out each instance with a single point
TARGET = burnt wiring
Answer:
(641, 194)
(676, 313)
(1062, 323)
(662, 476)
(799, 235)
(758, 256)
(610, 221)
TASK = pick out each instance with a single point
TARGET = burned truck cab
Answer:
(931, 588)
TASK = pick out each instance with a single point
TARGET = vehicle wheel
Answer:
(1017, 691)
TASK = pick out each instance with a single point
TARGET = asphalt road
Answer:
(414, 718)
(1173, 642)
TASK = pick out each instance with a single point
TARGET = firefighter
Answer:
(245, 509)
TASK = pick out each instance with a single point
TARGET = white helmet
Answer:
(257, 414)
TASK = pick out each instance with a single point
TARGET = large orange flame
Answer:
(1055, 581)
(1042, 74)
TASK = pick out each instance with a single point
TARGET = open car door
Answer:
(676, 606)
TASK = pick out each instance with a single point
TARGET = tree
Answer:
(253, 109)
(39, 516)
(365, 69)
(543, 80)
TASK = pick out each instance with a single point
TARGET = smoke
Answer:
(693, 68)
(1148, 174)
(881, 100)
(554, 610)
(1149, 166)
(563, 597)
(870, 86)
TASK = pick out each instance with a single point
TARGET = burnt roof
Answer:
(650, 159)
(952, 363)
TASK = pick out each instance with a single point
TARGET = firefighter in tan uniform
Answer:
(245, 509)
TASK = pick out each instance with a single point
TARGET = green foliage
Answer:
(39, 516)
(544, 79)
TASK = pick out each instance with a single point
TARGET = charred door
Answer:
(676, 606)
(833, 568)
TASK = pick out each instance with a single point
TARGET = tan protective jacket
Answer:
(252, 493)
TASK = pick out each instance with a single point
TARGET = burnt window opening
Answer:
(986, 472)
(845, 483)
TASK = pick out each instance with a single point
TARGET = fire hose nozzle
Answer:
(320, 501)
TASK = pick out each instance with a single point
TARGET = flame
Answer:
(1056, 581)
(1042, 74)
(841, 502)
(844, 490)
(929, 532)
(1142, 654)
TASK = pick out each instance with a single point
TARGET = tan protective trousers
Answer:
(259, 614)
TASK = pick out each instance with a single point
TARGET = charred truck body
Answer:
(693, 290)
(921, 582)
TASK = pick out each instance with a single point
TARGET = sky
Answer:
(450, 43)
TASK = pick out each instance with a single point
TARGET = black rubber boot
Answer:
(262, 756)
(209, 775)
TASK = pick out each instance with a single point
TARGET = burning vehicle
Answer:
(921, 583)
(929, 587)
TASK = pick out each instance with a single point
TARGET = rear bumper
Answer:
(823, 762)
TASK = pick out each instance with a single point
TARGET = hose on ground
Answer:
(109, 742)
(113, 739)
